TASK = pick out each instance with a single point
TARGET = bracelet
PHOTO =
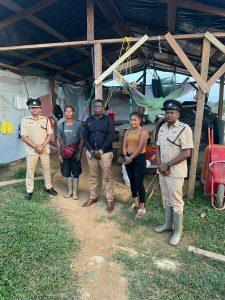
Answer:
(43, 145)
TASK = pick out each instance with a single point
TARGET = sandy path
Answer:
(100, 238)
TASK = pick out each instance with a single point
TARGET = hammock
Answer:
(153, 106)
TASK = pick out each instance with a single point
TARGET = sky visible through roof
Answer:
(213, 95)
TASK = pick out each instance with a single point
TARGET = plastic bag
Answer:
(125, 176)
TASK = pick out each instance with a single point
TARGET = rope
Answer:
(25, 85)
(88, 103)
(128, 41)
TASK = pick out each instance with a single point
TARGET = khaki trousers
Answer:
(105, 164)
(31, 166)
(172, 192)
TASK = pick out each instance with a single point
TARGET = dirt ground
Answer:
(98, 231)
(99, 235)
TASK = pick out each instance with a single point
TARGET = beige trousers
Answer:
(172, 192)
(31, 166)
(105, 164)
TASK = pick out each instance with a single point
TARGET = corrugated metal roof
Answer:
(68, 18)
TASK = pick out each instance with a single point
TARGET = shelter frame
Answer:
(202, 78)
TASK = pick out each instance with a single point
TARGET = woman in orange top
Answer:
(134, 145)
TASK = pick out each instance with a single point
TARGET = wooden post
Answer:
(198, 119)
(98, 69)
(90, 20)
(221, 92)
(91, 34)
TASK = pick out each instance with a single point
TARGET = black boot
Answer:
(28, 196)
(51, 191)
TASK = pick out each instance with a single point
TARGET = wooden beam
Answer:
(171, 16)
(87, 60)
(106, 41)
(40, 62)
(90, 20)
(114, 48)
(34, 20)
(49, 53)
(216, 75)
(112, 13)
(98, 70)
(198, 119)
(185, 60)
(91, 29)
(215, 58)
(215, 41)
(25, 13)
(209, 9)
(221, 97)
(171, 22)
(121, 59)
(21, 71)
(206, 253)
(39, 57)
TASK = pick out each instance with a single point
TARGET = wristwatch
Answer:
(100, 151)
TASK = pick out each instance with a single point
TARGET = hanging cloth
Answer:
(7, 127)
(157, 86)
(20, 102)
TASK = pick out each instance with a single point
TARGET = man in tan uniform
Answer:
(36, 132)
(174, 146)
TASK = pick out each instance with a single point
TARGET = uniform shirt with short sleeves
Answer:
(36, 130)
(72, 133)
(169, 151)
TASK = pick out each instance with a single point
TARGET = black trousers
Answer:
(135, 172)
(71, 167)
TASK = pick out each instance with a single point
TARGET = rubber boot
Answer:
(75, 188)
(168, 221)
(178, 228)
(69, 182)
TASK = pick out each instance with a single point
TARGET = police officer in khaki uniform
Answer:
(36, 132)
(174, 146)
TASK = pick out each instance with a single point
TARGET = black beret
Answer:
(33, 102)
(172, 105)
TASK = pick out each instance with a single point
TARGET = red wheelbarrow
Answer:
(214, 183)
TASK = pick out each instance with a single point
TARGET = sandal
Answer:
(140, 213)
(133, 207)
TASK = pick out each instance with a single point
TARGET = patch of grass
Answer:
(21, 173)
(36, 248)
(202, 232)
(196, 277)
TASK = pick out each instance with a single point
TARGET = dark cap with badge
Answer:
(172, 105)
(33, 102)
